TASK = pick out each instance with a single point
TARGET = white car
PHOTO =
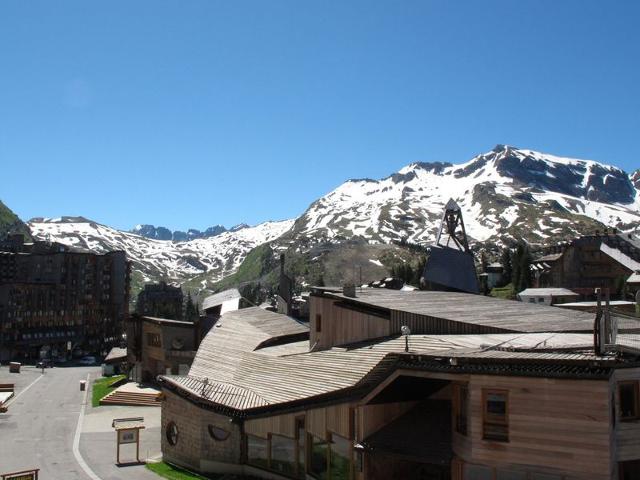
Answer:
(88, 361)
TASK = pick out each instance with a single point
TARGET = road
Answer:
(39, 428)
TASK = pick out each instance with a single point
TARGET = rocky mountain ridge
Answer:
(506, 194)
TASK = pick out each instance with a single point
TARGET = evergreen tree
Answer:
(507, 270)
(191, 311)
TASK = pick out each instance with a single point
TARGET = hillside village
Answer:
(437, 369)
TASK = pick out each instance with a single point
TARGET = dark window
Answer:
(217, 433)
(257, 451)
(300, 440)
(461, 408)
(318, 323)
(153, 339)
(495, 415)
(172, 433)
(318, 457)
(283, 455)
(628, 392)
(340, 457)
(629, 470)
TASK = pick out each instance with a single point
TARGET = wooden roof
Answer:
(233, 368)
(493, 313)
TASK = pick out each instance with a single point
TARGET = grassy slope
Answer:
(102, 387)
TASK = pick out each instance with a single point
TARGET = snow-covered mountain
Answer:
(163, 233)
(507, 193)
(155, 259)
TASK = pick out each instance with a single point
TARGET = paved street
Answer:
(39, 428)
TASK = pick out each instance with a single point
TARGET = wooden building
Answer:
(594, 261)
(480, 388)
(159, 346)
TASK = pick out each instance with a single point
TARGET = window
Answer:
(318, 450)
(340, 462)
(300, 440)
(495, 424)
(510, 475)
(629, 409)
(477, 472)
(540, 299)
(318, 323)
(629, 470)
(257, 451)
(217, 433)
(461, 408)
(172, 433)
(283, 455)
(532, 300)
(153, 339)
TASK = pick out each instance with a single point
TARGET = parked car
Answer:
(44, 363)
(89, 360)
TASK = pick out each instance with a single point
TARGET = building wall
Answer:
(627, 434)
(51, 296)
(196, 448)
(340, 326)
(555, 426)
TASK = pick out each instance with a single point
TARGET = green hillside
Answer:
(10, 223)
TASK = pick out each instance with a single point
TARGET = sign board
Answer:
(24, 475)
(128, 436)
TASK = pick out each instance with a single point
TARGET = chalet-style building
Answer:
(159, 346)
(389, 384)
(604, 260)
(55, 300)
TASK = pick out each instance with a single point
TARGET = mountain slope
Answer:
(505, 194)
(10, 223)
(155, 259)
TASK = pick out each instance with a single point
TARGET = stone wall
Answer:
(195, 444)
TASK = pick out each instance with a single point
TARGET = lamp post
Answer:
(406, 331)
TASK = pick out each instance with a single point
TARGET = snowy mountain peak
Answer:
(216, 256)
(505, 193)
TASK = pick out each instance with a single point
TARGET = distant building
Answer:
(604, 260)
(547, 296)
(55, 300)
(161, 300)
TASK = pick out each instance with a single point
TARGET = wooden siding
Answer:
(627, 434)
(341, 325)
(559, 424)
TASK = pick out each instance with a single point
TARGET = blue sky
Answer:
(188, 114)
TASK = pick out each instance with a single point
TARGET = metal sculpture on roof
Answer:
(450, 265)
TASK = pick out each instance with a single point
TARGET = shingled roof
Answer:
(254, 360)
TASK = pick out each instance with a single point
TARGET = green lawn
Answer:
(172, 473)
(103, 386)
(506, 292)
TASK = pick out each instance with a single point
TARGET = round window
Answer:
(172, 433)
(218, 433)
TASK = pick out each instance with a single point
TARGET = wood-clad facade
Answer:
(467, 397)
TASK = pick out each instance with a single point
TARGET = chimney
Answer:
(349, 290)
(282, 264)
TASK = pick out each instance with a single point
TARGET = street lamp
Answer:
(405, 331)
